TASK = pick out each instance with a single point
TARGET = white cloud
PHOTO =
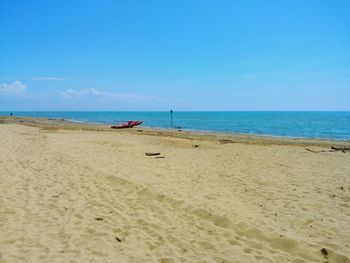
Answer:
(71, 93)
(47, 78)
(14, 88)
(79, 94)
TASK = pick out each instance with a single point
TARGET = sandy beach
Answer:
(87, 193)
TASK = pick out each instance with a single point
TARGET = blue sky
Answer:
(182, 55)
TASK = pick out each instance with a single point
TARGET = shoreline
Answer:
(54, 123)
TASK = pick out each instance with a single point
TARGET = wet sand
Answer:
(86, 193)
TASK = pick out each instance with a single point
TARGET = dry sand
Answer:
(85, 193)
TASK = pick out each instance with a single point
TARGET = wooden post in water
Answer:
(171, 118)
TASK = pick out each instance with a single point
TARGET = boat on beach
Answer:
(128, 124)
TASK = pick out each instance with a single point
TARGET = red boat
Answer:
(128, 124)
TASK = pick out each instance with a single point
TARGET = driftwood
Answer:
(313, 151)
(340, 148)
(333, 149)
(152, 154)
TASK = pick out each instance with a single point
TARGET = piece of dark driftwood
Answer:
(333, 149)
(340, 148)
(313, 151)
(152, 154)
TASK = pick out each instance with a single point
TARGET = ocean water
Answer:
(323, 125)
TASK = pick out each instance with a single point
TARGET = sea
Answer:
(293, 124)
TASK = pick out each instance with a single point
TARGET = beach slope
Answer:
(92, 195)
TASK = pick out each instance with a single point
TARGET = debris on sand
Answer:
(333, 149)
(324, 252)
(152, 154)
